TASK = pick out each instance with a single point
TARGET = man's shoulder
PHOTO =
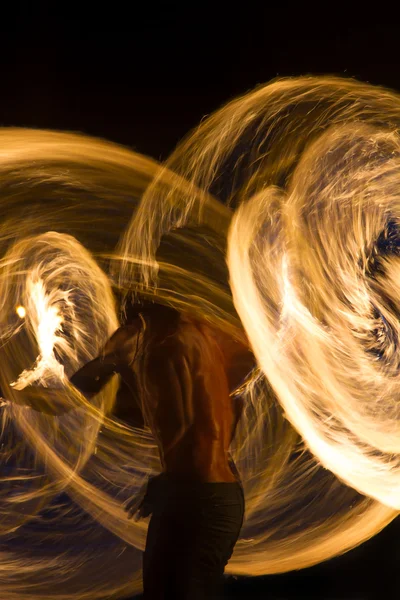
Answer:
(133, 326)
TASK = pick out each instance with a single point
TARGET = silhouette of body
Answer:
(185, 371)
(182, 372)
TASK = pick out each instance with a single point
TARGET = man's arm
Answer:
(90, 379)
(119, 351)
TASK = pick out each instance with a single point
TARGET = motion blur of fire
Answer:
(282, 213)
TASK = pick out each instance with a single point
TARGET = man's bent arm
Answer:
(93, 376)
(89, 380)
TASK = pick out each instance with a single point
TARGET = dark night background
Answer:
(144, 78)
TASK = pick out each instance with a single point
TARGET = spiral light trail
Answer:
(276, 219)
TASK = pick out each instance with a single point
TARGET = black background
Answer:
(144, 75)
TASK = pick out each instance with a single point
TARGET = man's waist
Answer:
(199, 463)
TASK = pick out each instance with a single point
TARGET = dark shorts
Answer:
(191, 537)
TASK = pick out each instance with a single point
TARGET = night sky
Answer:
(144, 78)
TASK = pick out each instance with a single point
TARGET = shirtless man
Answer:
(182, 371)
(185, 372)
